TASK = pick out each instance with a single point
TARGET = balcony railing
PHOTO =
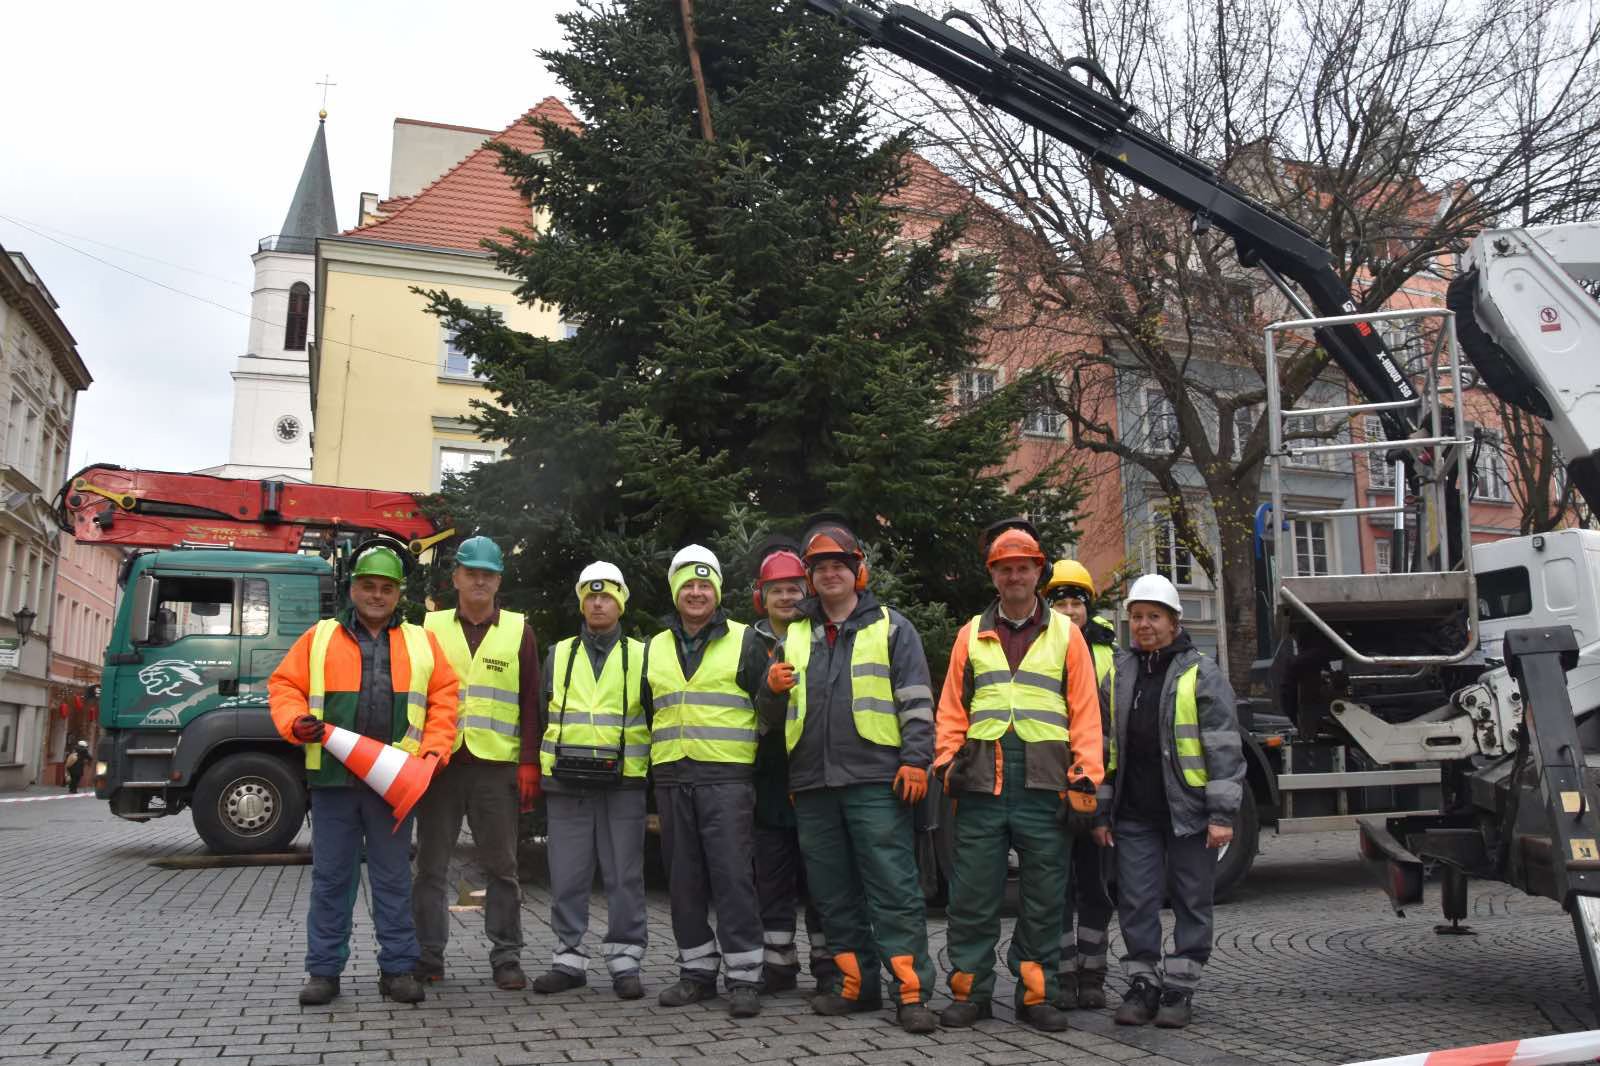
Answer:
(277, 242)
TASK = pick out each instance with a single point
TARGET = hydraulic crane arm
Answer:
(158, 509)
(1100, 126)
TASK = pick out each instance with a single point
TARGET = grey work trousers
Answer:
(603, 827)
(485, 794)
(707, 835)
(1089, 904)
(1151, 861)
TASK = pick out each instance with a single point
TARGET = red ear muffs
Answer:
(861, 576)
(755, 598)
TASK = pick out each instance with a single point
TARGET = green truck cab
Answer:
(183, 708)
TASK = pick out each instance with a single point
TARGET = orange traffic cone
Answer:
(400, 778)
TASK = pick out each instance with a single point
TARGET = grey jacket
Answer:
(1192, 808)
(830, 754)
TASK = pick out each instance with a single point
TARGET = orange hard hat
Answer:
(1014, 544)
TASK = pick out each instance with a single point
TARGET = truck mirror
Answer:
(144, 591)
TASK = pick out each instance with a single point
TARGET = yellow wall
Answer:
(384, 407)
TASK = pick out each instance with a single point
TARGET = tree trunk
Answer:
(1235, 506)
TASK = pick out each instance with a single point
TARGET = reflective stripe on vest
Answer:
(488, 716)
(595, 718)
(1105, 673)
(1186, 730)
(1030, 700)
(872, 706)
(708, 718)
(418, 650)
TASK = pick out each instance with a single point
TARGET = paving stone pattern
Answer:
(105, 958)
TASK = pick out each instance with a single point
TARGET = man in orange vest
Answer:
(371, 673)
(1019, 749)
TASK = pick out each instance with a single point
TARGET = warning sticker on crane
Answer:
(1549, 320)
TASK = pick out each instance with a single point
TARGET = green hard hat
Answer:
(380, 562)
(480, 553)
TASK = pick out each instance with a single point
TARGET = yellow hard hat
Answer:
(1069, 572)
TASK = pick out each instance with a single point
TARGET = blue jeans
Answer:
(342, 820)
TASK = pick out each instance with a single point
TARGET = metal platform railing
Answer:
(1418, 597)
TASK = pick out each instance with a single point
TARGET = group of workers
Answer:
(787, 759)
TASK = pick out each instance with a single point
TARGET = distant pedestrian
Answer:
(77, 759)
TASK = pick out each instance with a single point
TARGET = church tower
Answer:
(272, 380)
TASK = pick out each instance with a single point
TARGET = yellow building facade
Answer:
(391, 394)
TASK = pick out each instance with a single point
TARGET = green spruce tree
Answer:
(755, 342)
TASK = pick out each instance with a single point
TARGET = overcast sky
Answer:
(177, 131)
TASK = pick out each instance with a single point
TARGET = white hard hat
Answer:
(692, 554)
(601, 571)
(1153, 588)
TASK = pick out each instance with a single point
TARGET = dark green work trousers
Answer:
(987, 828)
(861, 870)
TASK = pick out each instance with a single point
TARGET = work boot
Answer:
(1139, 1003)
(1091, 989)
(686, 992)
(318, 990)
(833, 1005)
(1045, 1017)
(508, 977)
(743, 1002)
(1176, 1010)
(1066, 990)
(401, 987)
(916, 1018)
(965, 1013)
(429, 975)
(628, 986)
(558, 981)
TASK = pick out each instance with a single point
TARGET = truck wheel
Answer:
(249, 803)
(1234, 860)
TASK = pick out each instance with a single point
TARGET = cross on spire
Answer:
(326, 85)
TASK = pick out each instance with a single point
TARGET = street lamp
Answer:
(25, 617)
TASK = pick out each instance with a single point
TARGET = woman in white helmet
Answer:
(1179, 781)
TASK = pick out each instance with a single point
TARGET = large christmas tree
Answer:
(755, 341)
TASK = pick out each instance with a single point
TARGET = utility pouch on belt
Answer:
(578, 765)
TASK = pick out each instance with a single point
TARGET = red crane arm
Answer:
(159, 509)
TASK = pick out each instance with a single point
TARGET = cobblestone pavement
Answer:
(106, 958)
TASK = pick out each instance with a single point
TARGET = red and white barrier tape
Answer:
(1557, 1050)
(41, 799)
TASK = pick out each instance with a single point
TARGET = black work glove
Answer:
(1078, 805)
(307, 729)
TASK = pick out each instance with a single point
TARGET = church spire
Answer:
(311, 214)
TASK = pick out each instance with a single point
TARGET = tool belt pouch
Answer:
(586, 766)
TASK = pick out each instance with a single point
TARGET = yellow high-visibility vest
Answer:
(708, 717)
(489, 717)
(418, 650)
(1029, 700)
(596, 715)
(872, 707)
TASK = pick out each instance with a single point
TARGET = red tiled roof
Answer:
(471, 201)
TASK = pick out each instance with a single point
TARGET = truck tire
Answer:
(1235, 860)
(249, 803)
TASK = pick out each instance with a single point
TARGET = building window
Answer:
(975, 386)
(1042, 419)
(1319, 426)
(1170, 558)
(1383, 555)
(1161, 423)
(1494, 484)
(1380, 472)
(455, 461)
(1311, 548)
(8, 733)
(294, 326)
